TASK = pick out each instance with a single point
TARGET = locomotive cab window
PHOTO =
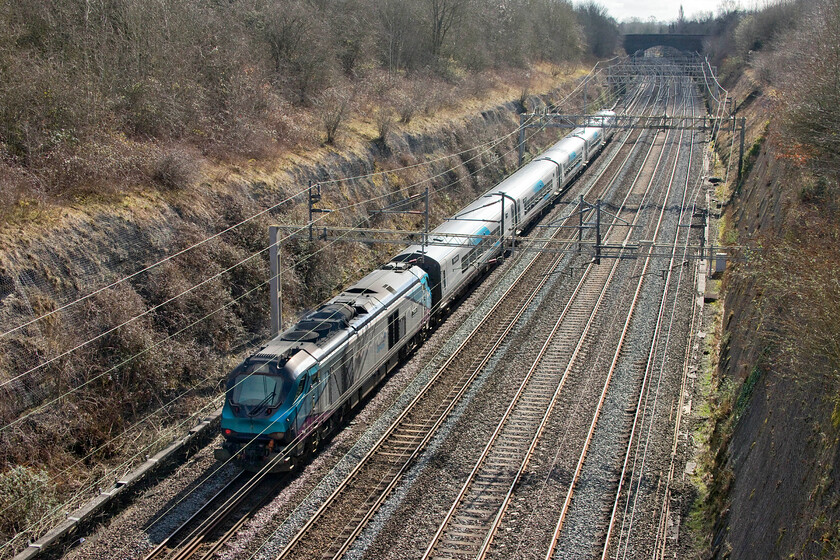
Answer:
(300, 387)
(263, 387)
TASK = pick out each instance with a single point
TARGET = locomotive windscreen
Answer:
(260, 389)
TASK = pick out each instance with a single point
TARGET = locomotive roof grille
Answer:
(263, 357)
(333, 312)
(299, 336)
(322, 323)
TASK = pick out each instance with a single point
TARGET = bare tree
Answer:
(811, 78)
(396, 20)
(600, 30)
(443, 15)
(333, 107)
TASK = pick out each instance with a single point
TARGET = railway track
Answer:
(342, 517)
(221, 516)
(644, 485)
(469, 527)
(618, 356)
(206, 531)
(599, 476)
(471, 522)
(640, 440)
(380, 470)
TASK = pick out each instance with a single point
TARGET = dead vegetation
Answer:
(772, 455)
(86, 88)
(147, 354)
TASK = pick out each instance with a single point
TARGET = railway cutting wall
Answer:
(772, 483)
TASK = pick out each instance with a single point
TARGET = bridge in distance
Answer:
(680, 41)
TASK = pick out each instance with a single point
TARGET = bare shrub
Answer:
(251, 140)
(759, 29)
(163, 283)
(406, 106)
(247, 121)
(384, 123)
(379, 83)
(434, 95)
(175, 170)
(524, 96)
(113, 307)
(19, 192)
(191, 306)
(800, 286)
(26, 495)
(480, 85)
(333, 107)
(161, 107)
(314, 266)
(765, 66)
(41, 107)
(215, 74)
(92, 166)
(810, 68)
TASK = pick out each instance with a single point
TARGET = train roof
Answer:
(526, 178)
(378, 290)
(565, 150)
(320, 331)
(479, 218)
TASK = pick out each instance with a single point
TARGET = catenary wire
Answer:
(202, 319)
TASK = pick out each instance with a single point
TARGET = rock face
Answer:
(774, 448)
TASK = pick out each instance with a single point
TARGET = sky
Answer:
(661, 10)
